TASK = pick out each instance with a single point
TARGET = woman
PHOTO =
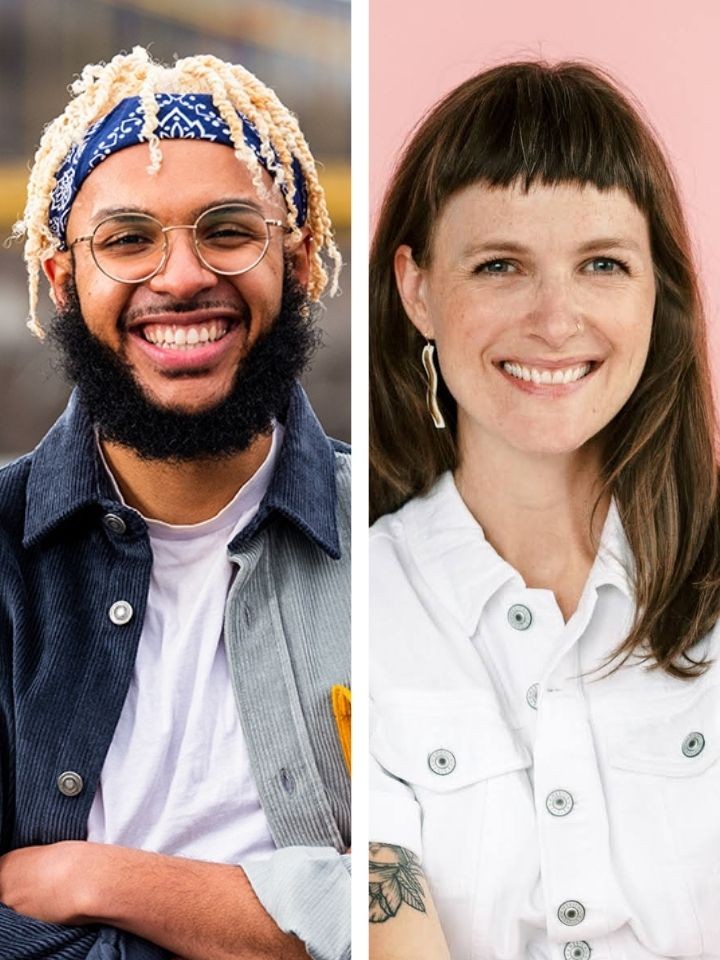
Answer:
(544, 597)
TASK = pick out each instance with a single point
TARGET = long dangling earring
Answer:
(428, 359)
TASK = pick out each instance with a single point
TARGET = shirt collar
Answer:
(614, 565)
(66, 476)
(464, 570)
(449, 547)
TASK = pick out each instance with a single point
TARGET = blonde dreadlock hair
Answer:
(233, 89)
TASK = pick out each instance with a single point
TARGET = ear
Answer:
(300, 254)
(412, 287)
(58, 270)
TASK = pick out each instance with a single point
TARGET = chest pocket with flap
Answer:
(442, 742)
(680, 740)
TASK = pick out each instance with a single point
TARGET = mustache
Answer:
(135, 314)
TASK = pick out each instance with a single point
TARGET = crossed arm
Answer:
(193, 909)
(404, 924)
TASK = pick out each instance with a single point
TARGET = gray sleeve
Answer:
(306, 890)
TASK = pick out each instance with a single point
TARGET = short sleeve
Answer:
(394, 814)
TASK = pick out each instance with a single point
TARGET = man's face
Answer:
(227, 314)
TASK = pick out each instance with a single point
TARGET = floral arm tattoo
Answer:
(395, 878)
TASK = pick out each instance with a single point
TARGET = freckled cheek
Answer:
(633, 334)
(462, 344)
(467, 333)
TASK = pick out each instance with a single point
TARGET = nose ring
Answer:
(578, 324)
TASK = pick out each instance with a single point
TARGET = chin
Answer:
(553, 443)
(187, 396)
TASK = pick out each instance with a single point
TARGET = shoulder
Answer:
(13, 497)
(391, 549)
(397, 581)
(417, 522)
(426, 560)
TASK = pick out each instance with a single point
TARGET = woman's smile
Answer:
(548, 378)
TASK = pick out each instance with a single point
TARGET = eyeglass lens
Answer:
(131, 246)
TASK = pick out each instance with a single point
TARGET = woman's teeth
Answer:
(185, 338)
(569, 375)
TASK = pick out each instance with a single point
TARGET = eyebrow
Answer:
(610, 243)
(193, 214)
(589, 246)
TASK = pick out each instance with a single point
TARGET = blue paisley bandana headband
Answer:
(181, 116)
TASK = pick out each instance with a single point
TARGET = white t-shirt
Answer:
(177, 777)
(560, 813)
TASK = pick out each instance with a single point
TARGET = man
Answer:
(174, 556)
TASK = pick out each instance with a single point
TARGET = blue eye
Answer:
(494, 266)
(607, 265)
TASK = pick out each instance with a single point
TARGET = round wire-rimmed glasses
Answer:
(132, 247)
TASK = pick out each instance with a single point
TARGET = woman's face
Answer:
(541, 306)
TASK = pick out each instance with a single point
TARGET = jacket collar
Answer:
(464, 570)
(303, 486)
(66, 476)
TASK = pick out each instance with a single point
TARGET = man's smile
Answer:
(175, 340)
(185, 338)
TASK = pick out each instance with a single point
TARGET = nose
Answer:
(556, 315)
(183, 274)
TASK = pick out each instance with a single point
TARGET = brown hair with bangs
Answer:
(567, 123)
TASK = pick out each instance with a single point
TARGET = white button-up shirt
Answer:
(561, 811)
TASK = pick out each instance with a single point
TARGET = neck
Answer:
(186, 492)
(536, 510)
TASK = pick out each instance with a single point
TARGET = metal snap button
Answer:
(441, 762)
(519, 617)
(532, 695)
(693, 744)
(114, 523)
(70, 784)
(577, 950)
(120, 612)
(571, 913)
(559, 803)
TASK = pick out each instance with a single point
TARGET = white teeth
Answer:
(569, 375)
(185, 338)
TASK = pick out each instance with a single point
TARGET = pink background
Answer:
(666, 53)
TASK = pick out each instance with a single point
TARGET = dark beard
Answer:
(123, 413)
